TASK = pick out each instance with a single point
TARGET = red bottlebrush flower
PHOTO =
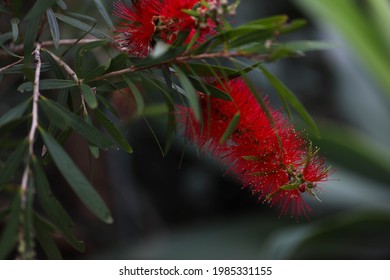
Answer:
(136, 32)
(264, 151)
(147, 20)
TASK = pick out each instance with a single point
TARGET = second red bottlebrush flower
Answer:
(148, 20)
(263, 150)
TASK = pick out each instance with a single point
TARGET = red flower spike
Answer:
(264, 151)
(136, 32)
(147, 20)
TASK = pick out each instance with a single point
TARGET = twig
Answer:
(72, 74)
(64, 42)
(34, 125)
(65, 66)
(10, 65)
(182, 59)
(25, 252)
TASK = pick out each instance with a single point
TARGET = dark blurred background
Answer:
(184, 206)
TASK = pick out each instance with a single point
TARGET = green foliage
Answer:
(71, 92)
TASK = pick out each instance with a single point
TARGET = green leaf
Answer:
(169, 55)
(380, 12)
(244, 72)
(290, 187)
(16, 7)
(89, 96)
(53, 26)
(139, 100)
(48, 84)
(82, 16)
(305, 45)
(62, 4)
(92, 74)
(15, 28)
(251, 32)
(83, 26)
(61, 117)
(108, 105)
(189, 92)
(4, 10)
(169, 109)
(80, 55)
(43, 235)
(118, 62)
(15, 113)
(76, 179)
(39, 8)
(93, 150)
(103, 12)
(231, 127)
(5, 37)
(212, 90)
(29, 39)
(287, 95)
(53, 208)
(113, 131)
(19, 68)
(10, 167)
(207, 70)
(9, 236)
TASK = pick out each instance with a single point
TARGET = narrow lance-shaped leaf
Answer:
(29, 39)
(83, 49)
(231, 127)
(53, 26)
(53, 208)
(61, 117)
(113, 131)
(93, 149)
(10, 167)
(62, 4)
(212, 90)
(10, 232)
(48, 84)
(139, 100)
(43, 235)
(288, 95)
(207, 70)
(103, 12)
(189, 92)
(39, 8)
(83, 26)
(76, 179)
(15, 113)
(108, 105)
(167, 109)
(89, 96)
(16, 7)
(15, 28)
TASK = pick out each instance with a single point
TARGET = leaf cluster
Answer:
(77, 80)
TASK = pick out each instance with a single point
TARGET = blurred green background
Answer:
(169, 208)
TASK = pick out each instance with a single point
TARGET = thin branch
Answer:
(10, 65)
(34, 126)
(65, 66)
(182, 59)
(65, 42)
(72, 73)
